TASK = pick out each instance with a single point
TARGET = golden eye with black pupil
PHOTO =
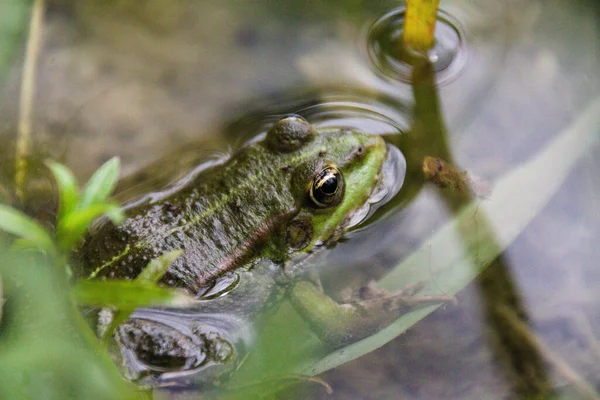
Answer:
(327, 187)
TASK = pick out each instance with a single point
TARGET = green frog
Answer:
(248, 228)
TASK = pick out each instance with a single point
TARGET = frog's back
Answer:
(281, 193)
(220, 220)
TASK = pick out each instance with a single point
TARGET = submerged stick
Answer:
(560, 365)
(27, 90)
(419, 25)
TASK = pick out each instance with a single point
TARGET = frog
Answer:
(248, 228)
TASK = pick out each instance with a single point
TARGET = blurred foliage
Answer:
(47, 350)
(14, 15)
(75, 212)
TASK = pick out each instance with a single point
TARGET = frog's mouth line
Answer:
(393, 172)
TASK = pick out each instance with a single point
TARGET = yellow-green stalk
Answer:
(419, 24)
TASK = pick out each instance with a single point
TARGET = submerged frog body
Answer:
(247, 227)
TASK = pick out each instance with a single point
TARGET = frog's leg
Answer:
(338, 324)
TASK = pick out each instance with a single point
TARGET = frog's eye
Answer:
(327, 187)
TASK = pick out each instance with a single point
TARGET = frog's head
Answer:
(334, 173)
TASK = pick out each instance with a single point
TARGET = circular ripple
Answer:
(359, 113)
(394, 61)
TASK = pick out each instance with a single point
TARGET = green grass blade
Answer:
(17, 223)
(449, 252)
(101, 184)
(157, 267)
(75, 224)
(150, 275)
(68, 194)
(45, 347)
(127, 295)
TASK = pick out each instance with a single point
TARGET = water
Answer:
(395, 62)
(511, 75)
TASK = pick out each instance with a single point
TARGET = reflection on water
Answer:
(512, 75)
(394, 61)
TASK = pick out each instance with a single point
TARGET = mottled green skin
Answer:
(252, 215)
(236, 211)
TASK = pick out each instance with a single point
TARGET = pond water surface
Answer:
(143, 81)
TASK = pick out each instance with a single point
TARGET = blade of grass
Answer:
(101, 184)
(149, 276)
(74, 225)
(17, 223)
(127, 295)
(157, 267)
(508, 211)
(68, 194)
(47, 341)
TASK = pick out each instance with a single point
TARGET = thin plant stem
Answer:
(27, 90)
(419, 25)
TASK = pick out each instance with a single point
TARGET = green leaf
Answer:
(127, 295)
(24, 245)
(157, 267)
(75, 224)
(17, 223)
(67, 188)
(101, 184)
(149, 276)
(115, 214)
(47, 350)
(460, 250)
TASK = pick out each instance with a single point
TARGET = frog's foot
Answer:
(371, 291)
(407, 294)
(338, 324)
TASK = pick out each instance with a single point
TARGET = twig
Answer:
(561, 366)
(27, 90)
